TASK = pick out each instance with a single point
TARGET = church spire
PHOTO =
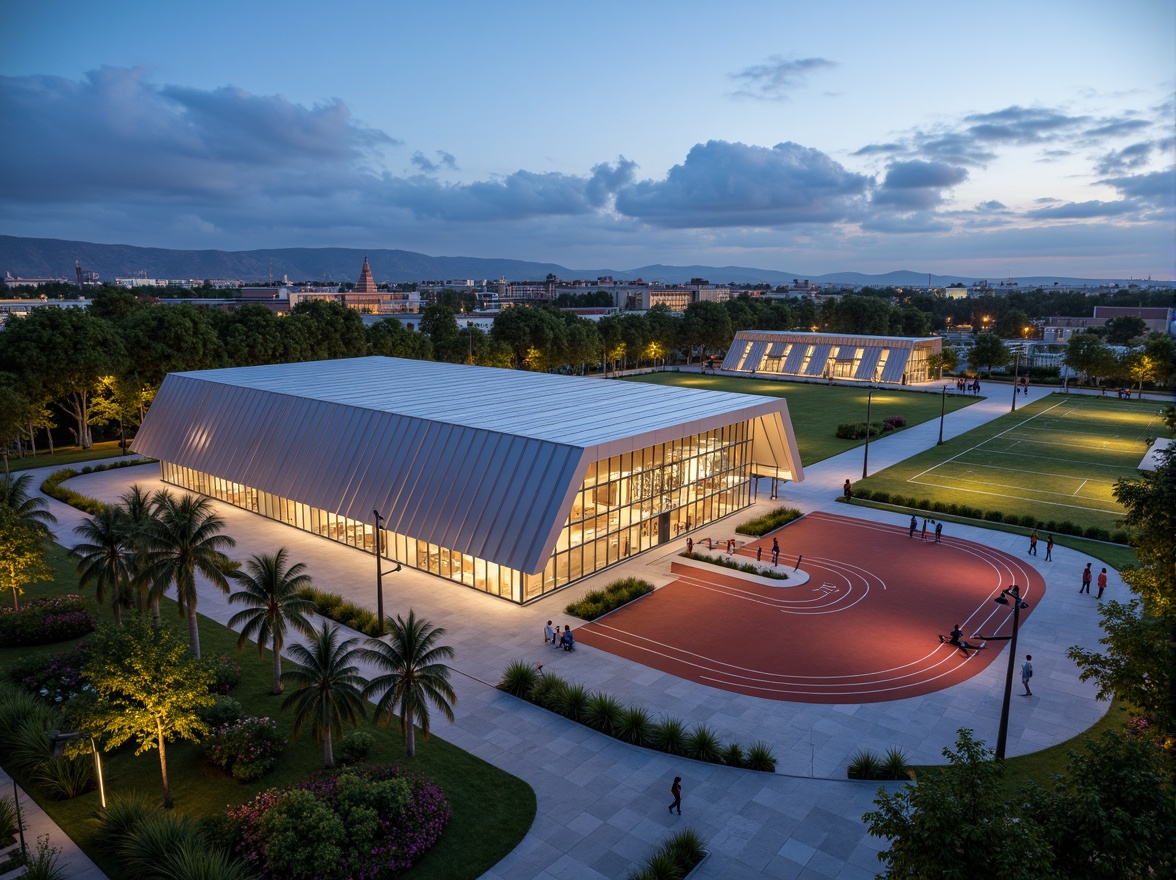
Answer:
(367, 284)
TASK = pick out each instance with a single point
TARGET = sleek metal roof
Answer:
(481, 460)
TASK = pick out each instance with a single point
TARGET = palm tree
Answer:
(136, 505)
(184, 539)
(30, 509)
(105, 557)
(415, 676)
(270, 589)
(329, 687)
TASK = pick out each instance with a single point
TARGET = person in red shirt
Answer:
(1102, 583)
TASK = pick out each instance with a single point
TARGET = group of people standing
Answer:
(963, 387)
(915, 527)
(1088, 578)
(1049, 545)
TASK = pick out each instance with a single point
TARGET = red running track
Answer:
(863, 629)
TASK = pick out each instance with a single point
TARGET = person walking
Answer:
(775, 551)
(689, 545)
(914, 525)
(676, 791)
(1102, 583)
(1026, 674)
(1087, 577)
(847, 490)
(938, 532)
(923, 537)
(759, 552)
(548, 634)
(1033, 543)
(1049, 548)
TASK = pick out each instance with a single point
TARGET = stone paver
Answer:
(601, 802)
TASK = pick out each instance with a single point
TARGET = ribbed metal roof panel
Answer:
(479, 460)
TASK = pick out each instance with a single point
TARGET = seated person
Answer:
(568, 641)
(957, 638)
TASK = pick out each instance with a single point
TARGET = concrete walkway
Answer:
(600, 801)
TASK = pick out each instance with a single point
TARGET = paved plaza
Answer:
(602, 803)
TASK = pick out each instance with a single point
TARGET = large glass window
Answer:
(628, 503)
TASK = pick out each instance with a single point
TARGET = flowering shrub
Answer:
(58, 677)
(44, 621)
(363, 822)
(226, 673)
(247, 749)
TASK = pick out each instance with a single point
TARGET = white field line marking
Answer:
(1034, 500)
(1121, 467)
(1079, 489)
(965, 482)
(988, 440)
(1051, 475)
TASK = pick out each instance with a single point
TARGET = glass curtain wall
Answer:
(627, 504)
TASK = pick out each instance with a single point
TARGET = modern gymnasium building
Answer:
(513, 483)
(833, 356)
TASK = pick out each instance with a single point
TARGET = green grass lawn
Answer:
(1056, 459)
(816, 410)
(492, 810)
(65, 456)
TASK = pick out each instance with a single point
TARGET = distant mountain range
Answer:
(50, 257)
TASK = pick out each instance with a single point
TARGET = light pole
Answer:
(1011, 596)
(866, 454)
(380, 574)
(1016, 369)
(942, 406)
(57, 741)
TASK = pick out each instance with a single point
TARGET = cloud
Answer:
(1116, 127)
(733, 184)
(992, 205)
(918, 185)
(1126, 159)
(428, 166)
(1157, 188)
(777, 77)
(1081, 210)
(1020, 125)
(879, 149)
(958, 148)
(907, 224)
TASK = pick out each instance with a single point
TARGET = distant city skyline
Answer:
(997, 140)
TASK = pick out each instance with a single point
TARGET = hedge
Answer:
(51, 484)
(335, 607)
(748, 567)
(1058, 527)
(599, 602)
(47, 620)
(769, 522)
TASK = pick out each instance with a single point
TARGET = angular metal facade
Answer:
(832, 355)
(484, 461)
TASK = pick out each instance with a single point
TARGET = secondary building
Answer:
(833, 356)
(509, 482)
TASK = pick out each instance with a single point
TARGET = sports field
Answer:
(816, 410)
(1056, 459)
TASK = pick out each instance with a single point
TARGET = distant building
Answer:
(833, 356)
(1060, 328)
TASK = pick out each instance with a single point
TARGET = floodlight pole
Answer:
(19, 819)
(381, 574)
(1013, 593)
(866, 454)
(942, 406)
(1016, 368)
(57, 741)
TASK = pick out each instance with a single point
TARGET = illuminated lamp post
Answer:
(866, 454)
(380, 574)
(57, 741)
(1010, 597)
(942, 407)
(1016, 371)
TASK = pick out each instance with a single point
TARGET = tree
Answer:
(22, 555)
(271, 590)
(1137, 663)
(146, 687)
(329, 330)
(183, 539)
(65, 353)
(14, 414)
(1012, 324)
(1111, 815)
(329, 687)
(105, 557)
(1124, 329)
(415, 676)
(707, 326)
(860, 314)
(989, 352)
(1086, 354)
(29, 509)
(956, 825)
(390, 338)
(439, 324)
(139, 516)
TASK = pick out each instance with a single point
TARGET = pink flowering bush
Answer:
(48, 620)
(357, 824)
(58, 677)
(226, 673)
(246, 749)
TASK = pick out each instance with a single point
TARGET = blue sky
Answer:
(999, 139)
